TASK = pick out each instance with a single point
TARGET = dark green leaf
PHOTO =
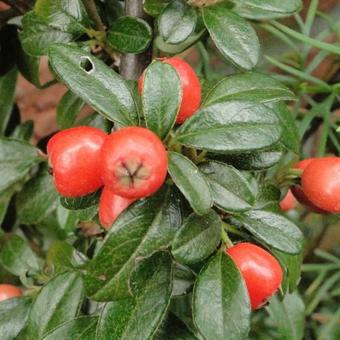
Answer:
(161, 97)
(144, 228)
(259, 160)
(273, 229)
(139, 317)
(198, 238)
(94, 82)
(77, 203)
(191, 182)
(221, 304)
(17, 256)
(37, 199)
(130, 35)
(68, 108)
(177, 22)
(37, 35)
(58, 302)
(5, 198)
(16, 160)
(98, 121)
(61, 256)
(268, 198)
(29, 67)
(7, 92)
(67, 219)
(231, 191)
(154, 7)
(288, 316)
(183, 279)
(290, 134)
(231, 127)
(269, 9)
(13, 316)
(234, 37)
(252, 86)
(82, 328)
(24, 131)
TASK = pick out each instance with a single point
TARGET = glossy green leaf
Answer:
(183, 279)
(130, 35)
(269, 9)
(252, 86)
(144, 228)
(7, 92)
(61, 256)
(198, 238)
(29, 67)
(68, 108)
(234, 37)
(191, 182)
(221, 307)
(83, 202)
(67, 219)
(17, 256)
(258, 160)
(288, 316)
(139, 317)
(161, 97)
(5, 198)
(154, 7)
(82, 328)
(177, 22)
(268, 198)
(273, 229)
(16, 160)
(37, 35)
(58, 302)
(94, 82)
(231, 127)
(13, 316)
(37, 199)
(23, 131)
(230, 189)
(290, 134)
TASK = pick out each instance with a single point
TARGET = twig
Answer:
(93, 13)
(132, 65)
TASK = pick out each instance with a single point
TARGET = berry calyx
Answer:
(260, 270)
(288, 202)
(191, 88)
(110, 207)
(299, 193)
(74, 157)
(133, 162)
(8, 291)
(321, 183)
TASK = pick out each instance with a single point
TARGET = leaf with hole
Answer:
(161, 97)
(191, 182)
(231, 127)
(94, 82)
(234, 37)
(129, 35)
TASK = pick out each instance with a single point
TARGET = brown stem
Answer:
(132, 65)
(91, 10)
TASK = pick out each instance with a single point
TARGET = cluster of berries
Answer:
(319, 189)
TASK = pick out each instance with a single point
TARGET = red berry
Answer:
(260, 270)
(191, 87)
(9, 291)
(133, 162)
(321, 183)
(298, 192)
(74, 157)
(110, 206)
(289, 202)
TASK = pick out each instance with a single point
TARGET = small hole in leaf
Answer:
(86, 64)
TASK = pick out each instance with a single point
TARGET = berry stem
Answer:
(226, 240)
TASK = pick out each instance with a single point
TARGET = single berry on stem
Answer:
(133, 162)
(191, 88)
(8, 291)
(74, 159)
(110, 207)
(260, 270)
(288, 202)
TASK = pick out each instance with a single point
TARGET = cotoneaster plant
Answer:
(165, 209)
